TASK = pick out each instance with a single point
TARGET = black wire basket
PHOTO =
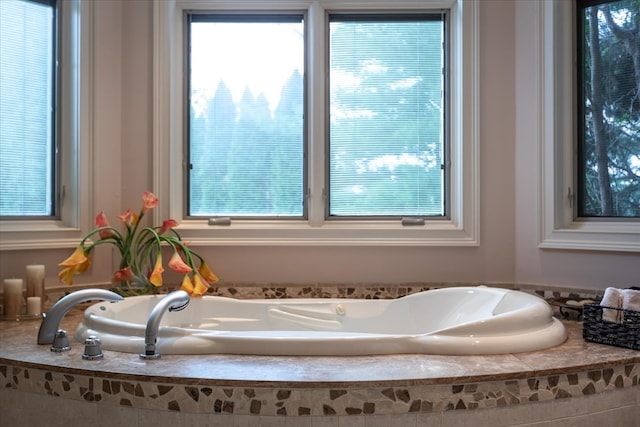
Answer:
(624, 334)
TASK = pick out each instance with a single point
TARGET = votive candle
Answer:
(12, 297)
(34, 306)
(35, 283)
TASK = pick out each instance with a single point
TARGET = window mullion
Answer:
(316, 126)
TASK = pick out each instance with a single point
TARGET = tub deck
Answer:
(19, 348)
(410, 389)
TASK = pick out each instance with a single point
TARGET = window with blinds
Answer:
(248, 136)
(386, 115)
(27, 108)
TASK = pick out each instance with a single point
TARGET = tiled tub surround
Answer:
(576, 383)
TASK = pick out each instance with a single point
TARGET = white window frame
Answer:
(462, 229)
(555, 108)
(75, 103)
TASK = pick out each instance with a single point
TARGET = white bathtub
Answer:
(462, 320)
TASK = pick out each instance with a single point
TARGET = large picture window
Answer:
(386, 113)
(27, 108)
(318, 122)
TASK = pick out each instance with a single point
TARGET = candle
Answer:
(12, 297)
(33, 306)
(35, 283)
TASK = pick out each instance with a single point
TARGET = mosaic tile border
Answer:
(357, 291)
(280, 401)
(386, 291)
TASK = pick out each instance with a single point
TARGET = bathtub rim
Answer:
(452, 340)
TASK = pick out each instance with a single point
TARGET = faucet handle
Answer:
(60, 342)
(92, 348)
(150, 352)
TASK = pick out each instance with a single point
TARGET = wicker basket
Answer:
(625, 334)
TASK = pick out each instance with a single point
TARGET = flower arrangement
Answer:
(141, 267)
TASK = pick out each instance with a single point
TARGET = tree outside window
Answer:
(609, 108)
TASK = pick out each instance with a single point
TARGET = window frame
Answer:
(461, 229)
(74, 142)
(558, 225)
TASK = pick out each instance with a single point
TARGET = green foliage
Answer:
(619, 89)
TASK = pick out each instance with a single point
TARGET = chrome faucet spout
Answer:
(174, 301)
(51, 320)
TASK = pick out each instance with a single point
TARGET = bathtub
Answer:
(455, 321)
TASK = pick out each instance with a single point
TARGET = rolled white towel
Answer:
(612, 298)
(630, 299)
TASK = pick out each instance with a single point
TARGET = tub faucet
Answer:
(51, 320)
(174, 301)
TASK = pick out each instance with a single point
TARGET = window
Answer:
(554, 94)
(246, 131)
(56, 114)
(608, 75)
(386, 115)
(357, 141)
(27, 108)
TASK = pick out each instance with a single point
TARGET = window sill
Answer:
(600, 236)
(45, 234)
(349, 233)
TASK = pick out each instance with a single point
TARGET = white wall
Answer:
(508, 251)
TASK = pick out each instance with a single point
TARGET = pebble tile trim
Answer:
(317, 402)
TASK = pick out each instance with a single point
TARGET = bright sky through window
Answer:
(261, 64)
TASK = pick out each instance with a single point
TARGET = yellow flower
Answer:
(200, 287)
(187, 286)
(66, 276)
(207, 274)
(77, 258)
(156, 274)
(77, 263)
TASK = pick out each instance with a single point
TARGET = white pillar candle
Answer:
(12, 297)
(35, 283)
(33, 306)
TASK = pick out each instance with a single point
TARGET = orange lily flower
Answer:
(124, 275)
(77, 258)
(126, 218)
(156, 274)
(66, 276)
(167, 225)
(77, 263)
(101, 221)
(187, 286)
(207, 274)
(149, 200)
(200, 287)
(134, 245)
(177, 264)
(129, 218)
